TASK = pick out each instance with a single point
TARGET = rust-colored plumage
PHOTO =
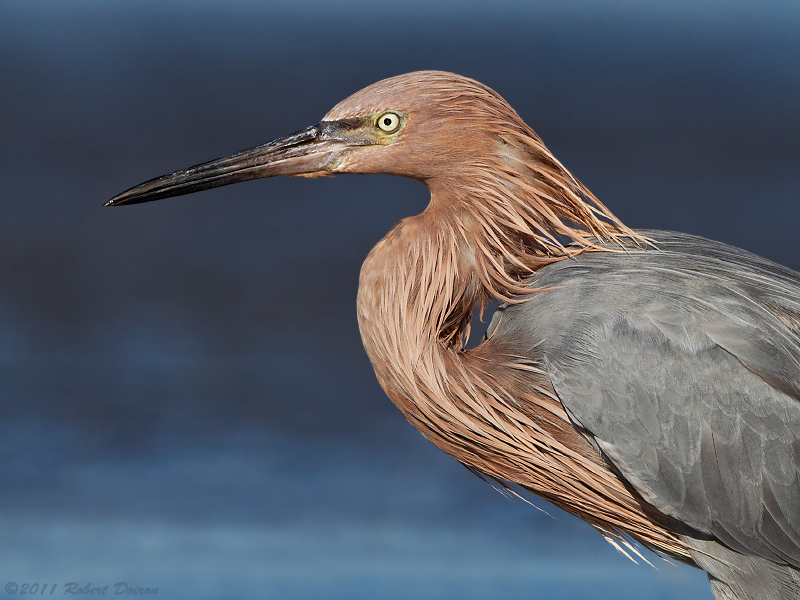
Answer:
(493, 220)
(702, 336)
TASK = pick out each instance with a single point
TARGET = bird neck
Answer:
(417, 290)
(418, 287)
(489, 408)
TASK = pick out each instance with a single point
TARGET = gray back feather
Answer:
(683, 364)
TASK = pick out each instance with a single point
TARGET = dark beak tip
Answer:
(298, 154)
(117, 201)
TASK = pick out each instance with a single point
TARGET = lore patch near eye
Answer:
(388, 122)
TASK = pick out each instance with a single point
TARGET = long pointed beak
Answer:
(312, 150)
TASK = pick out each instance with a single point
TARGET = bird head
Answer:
(426, 125)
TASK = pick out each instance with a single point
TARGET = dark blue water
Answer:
(184, 400)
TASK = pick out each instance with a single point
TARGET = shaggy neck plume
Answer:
(478, 240)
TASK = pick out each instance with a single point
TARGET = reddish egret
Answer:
(647, 382)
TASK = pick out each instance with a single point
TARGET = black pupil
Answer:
(387, 121)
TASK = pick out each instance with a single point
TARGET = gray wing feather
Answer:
(683, 363)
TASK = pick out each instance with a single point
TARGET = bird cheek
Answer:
(370, 159)
(345, 164)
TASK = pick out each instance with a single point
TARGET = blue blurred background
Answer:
(184, 400)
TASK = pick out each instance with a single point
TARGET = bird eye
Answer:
(388, 122)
